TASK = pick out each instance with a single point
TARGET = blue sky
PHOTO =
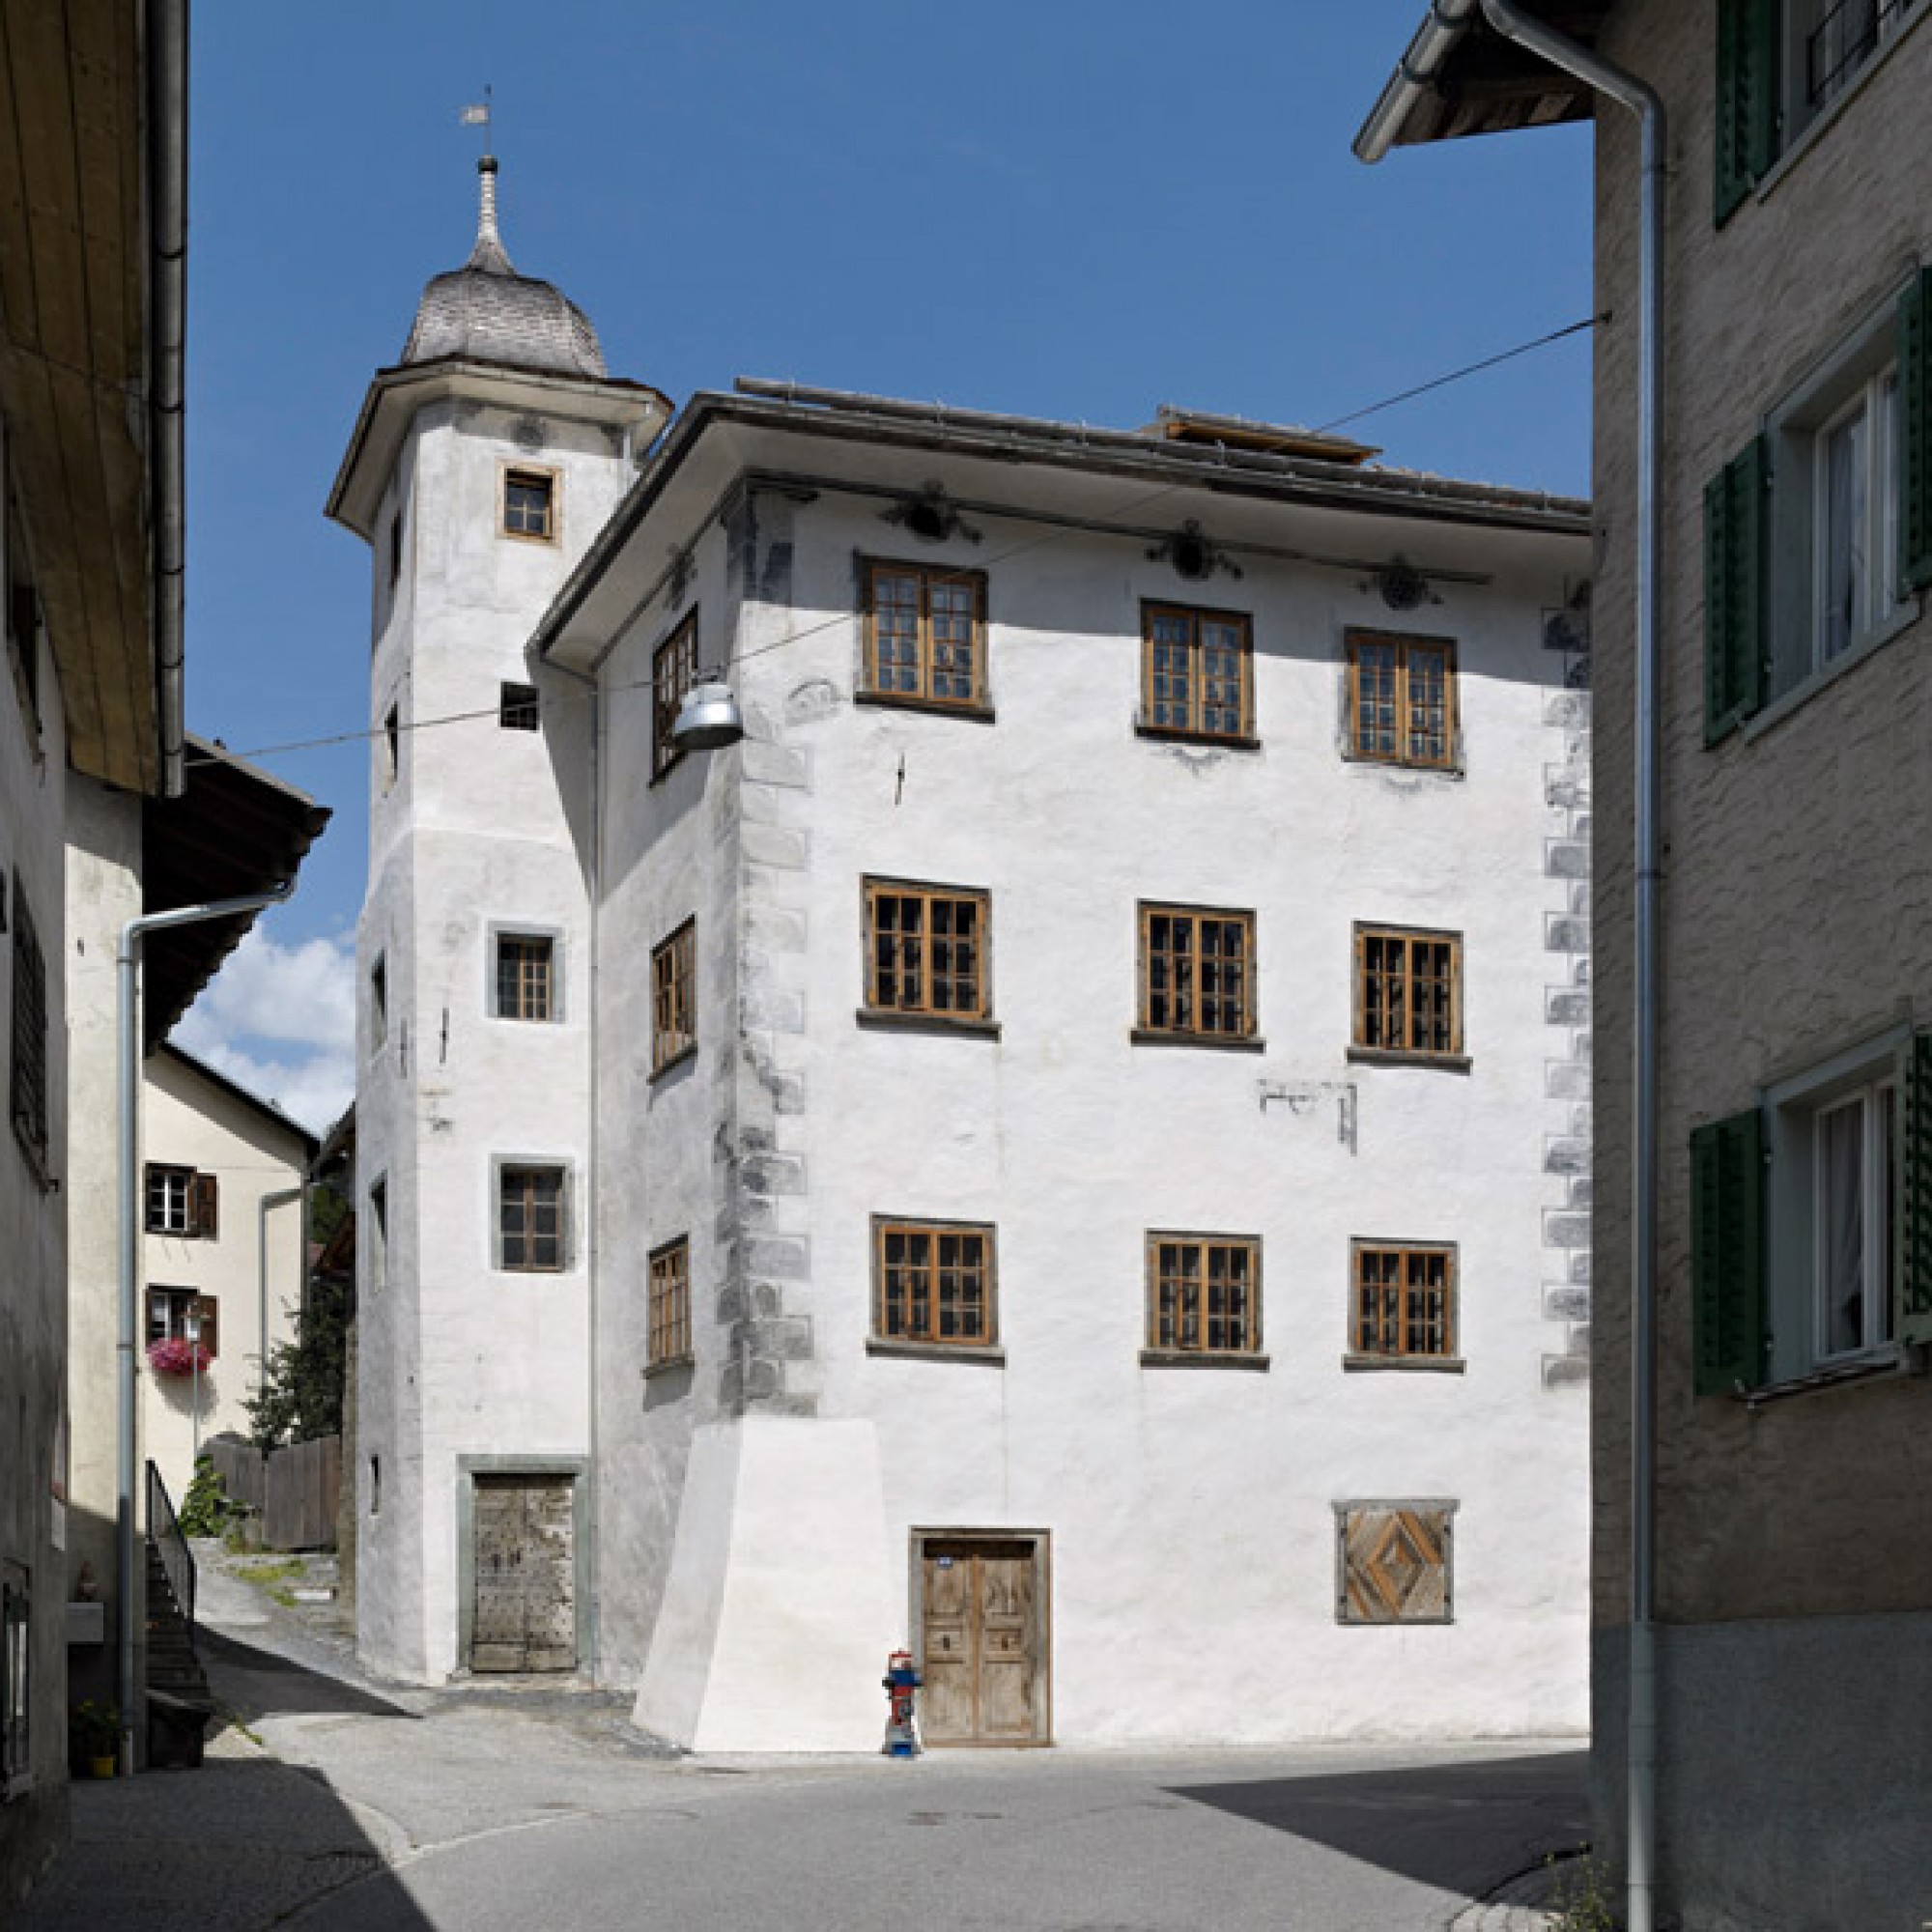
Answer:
(1058, 209)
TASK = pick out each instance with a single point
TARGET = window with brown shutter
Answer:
(529, 1219)
(1393, 1563)
(673, 671)
(1402, 698)
(674, 997)
(1405, 1302)
(669, 1311)
(172, 1311)
(205, 1207)
(1196, 673)
(925, 635)
(524, 962)
(933, 1281)
(927, 950)
(1204, 1295)
(1197, 974)
(1408, 993)
(181, 1202)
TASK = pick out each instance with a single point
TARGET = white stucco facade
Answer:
(240, 1275)
(752, 1529)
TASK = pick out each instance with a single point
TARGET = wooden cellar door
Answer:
(983, 1644)
(526, 1608)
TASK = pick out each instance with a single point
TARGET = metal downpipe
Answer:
(1641, 1793)
(127, 967)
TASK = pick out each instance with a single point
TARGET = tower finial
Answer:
(489, 253)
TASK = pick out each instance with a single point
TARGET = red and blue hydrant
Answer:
(902, 1683)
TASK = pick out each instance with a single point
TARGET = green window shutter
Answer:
(1727, 1253)
(1912, 1317)
(1734, 526)
(1915, 435)
(1748, 43)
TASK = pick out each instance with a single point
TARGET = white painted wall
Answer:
(481, 830)
(190, 1120)
(1191, 1511)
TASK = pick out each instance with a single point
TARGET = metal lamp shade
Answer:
(709, 719)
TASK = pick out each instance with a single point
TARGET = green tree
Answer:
(303, 1380)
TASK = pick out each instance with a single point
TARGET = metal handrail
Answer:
(164, 1532)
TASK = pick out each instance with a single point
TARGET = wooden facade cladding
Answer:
(1394, 1563)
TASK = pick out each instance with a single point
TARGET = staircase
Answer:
(179, 1703)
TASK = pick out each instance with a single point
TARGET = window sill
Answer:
(1801, 693)
(1368, 762)
(1214, 1042)
(938, 707)
(877, 1019)
(1202, 1358)
(1173, 735)
(1886, 1365)
(988, 1354)
(671, 1066)
(1446, 1365)
(1382, 1056)
(678, 1365)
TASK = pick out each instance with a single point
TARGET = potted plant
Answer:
(177, 1355)
(96, 1731)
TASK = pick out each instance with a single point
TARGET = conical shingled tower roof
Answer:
(486, 312)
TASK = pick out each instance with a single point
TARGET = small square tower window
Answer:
(530, 504)
(524, 972)
(517, 707)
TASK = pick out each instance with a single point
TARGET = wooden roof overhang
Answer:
(82, 289)
(231, 832)
(1460, 76)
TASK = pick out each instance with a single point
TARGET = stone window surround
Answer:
(498, 930)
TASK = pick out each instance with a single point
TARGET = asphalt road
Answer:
(341, 1805)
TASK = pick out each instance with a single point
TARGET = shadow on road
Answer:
(239, 1845)
(1459, 1827)
(250, 1683)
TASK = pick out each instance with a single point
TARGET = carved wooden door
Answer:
(524, 1611)
(983, 1644)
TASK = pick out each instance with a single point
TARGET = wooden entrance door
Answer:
(526, 1603)
(984, 1642)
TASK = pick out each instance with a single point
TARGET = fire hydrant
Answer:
(901, 1681)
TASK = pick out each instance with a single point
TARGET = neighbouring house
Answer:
(1793, 1246)
(229, 832)
(1064, 1149)
(90, 553)
(223, 1195)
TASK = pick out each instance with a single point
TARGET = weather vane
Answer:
(477, 115)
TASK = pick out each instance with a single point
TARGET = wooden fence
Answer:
(295, 1490)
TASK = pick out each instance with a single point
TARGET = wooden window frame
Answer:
(1368, 1334)
(1174, 1349)
(527, 475)
(920, 1008)
(1408, 1053)
(519, 1006)
(674, 996)
(673, 671)
(167, 1196)
(1196, 616)
(1437, 1516)
(669, 1306)
(886, 1226)
(17, 1681)
(378, 1002)
(1146, 1030)
(522, 1177)
(1404, 644)
(518, 707)
(175, 1305)
(977, 704)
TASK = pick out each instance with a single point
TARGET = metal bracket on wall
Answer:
(1302, 1097)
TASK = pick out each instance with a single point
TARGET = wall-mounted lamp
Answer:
(709, 719)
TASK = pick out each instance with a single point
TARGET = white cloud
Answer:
(268, 996)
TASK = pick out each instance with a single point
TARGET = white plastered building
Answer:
(1060, 1150)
